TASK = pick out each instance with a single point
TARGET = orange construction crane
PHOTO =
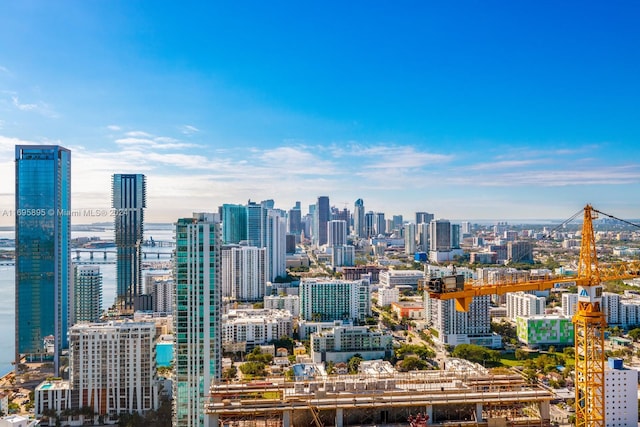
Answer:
(589, 320)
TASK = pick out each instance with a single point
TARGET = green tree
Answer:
(520, 354)
(354, 363)
(412, 363)
(634, 334)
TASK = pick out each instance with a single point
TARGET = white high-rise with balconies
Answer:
(409, 238)
(244, 272)
(112, 367)
(524, 304)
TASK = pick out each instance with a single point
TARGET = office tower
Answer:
(465, 227)
(129, 198)
(276, 244)
(234, 223)
(326, 300)
(320, 220)
(409, 239)
(291, 243)
(379, 223)
(254, 224)
(112, 367)
(358, 218)
(423, 217)
(455, 236)
(244, 272)
(42, 249)
(87, 291)
(397, 222)
(196, 316)
(295, 220)
(423, 236)
(440, 235)
(520, 251)
(523, 304)
(337, 235)
(369, 225)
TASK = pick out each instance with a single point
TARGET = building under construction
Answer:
(446, 397)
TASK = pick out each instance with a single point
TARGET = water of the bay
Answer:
(159, 232)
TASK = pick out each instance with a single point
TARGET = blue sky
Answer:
(470, 110)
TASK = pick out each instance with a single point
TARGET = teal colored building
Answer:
(43, 275)
(197, 317)
(538, 331)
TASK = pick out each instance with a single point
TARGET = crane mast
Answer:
(589, 319)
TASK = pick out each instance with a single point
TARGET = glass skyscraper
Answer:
(129, 198)
(197, 316)
(43, 295)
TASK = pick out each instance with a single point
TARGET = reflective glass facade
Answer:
(43, 258)
(129, 198)
(196, 316)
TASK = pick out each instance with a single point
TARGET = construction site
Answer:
(448, 398)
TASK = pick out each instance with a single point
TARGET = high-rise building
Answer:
(197, 314)
(161, 288)
(440, 235)
(44, 297)
(322, 214)
(397, 222)
(379, 223)
(87, 291)
(254, 224)
(276, 244)
(455, 236)
(621, 394)
(524, 304)
(520, 251)
(369, 225)
(337, 235)
(112, 367)
(295, 220)
(358, 219)
(457, 327)
(323, 300)
(409, 239)
(234, 223)
(423, 217)
(423, 236)
(129, 198)
(244, 272)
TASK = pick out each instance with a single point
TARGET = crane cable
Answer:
(565, 222)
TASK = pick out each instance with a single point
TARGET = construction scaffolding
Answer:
(344, 400)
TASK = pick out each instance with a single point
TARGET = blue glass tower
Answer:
(129, 198)
(43, 258)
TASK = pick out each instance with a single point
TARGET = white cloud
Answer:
(189, 129)
(114, 128)
(39, 107)
(138, 134)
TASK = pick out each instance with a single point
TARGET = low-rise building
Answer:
(536, 331)
(341, 343)
(408, 310)
(393, 278)
(255, 326)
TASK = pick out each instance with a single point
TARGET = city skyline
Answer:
(478, 111)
